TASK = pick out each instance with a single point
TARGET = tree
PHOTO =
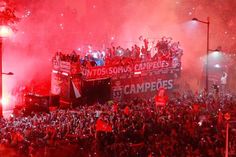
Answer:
(7, 13)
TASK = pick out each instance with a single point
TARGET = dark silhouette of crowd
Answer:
(72, 57)
(188, 126)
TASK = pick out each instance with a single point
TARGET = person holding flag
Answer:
(161, 98)
(103, 133)
(103, 126)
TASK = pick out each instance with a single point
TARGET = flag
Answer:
(161, 98)
(160, 101)
(195, 108)
(220, 118)
(103, 126)
(76, 88)
(115, 107)
(126, 111)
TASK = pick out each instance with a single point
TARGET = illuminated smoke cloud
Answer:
(51, 25)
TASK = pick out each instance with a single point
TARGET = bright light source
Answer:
(55, 71)
(103, 54)
(194, 22)
(28, 13)
(137, 72)
(200, 123)
(216, 53)
(191, 26)
(95, 54)
(5, 31)
(4, 101)
(217, 66)
(66, 74)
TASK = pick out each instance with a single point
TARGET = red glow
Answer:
(120, 23)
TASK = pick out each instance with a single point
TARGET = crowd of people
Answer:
(72, 57)
(164, 49)
(188, 126)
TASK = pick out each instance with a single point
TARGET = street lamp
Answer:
(9, 73)
(5, 31)
(208, 26)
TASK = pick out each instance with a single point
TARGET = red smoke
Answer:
(52, 25)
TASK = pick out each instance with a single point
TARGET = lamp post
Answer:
(3, 73)
(227, 118)
(0, 76)
(7, 18)
(5, 31)
(207, 49)
(9, 73)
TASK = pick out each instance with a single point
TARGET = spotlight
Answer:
(5, 31)
(216, 53)
(5, 101)
(217, 66)
(200, 123)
